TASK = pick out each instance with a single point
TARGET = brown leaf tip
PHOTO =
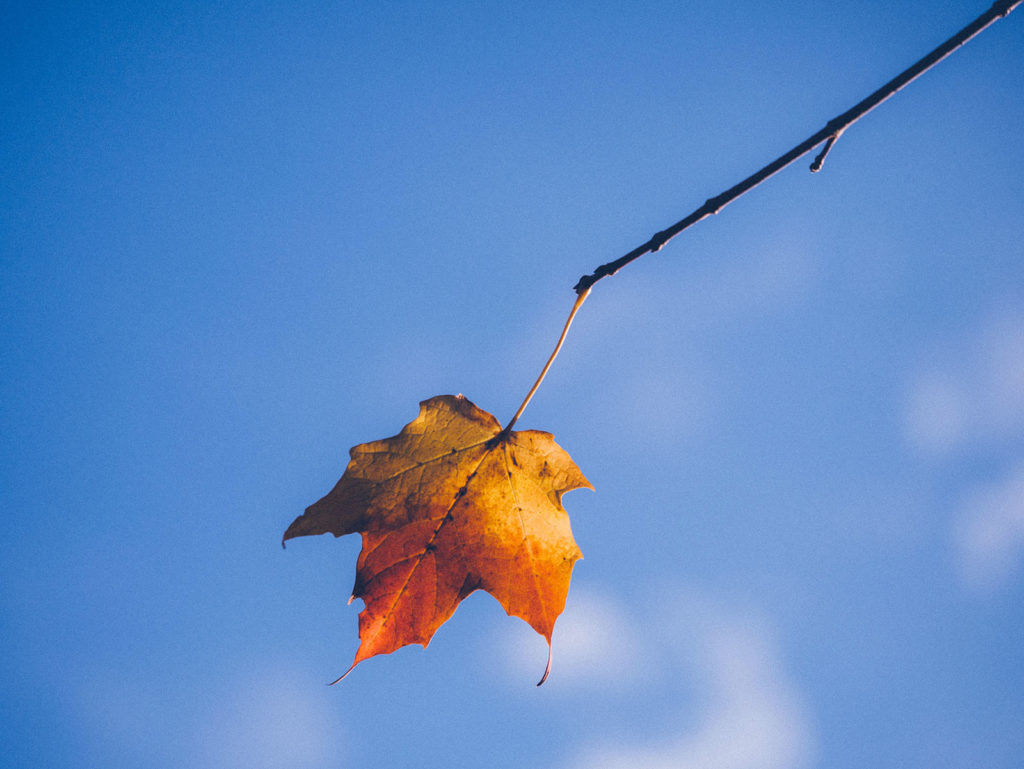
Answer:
(547, 669)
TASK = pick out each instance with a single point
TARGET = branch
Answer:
(831, 132)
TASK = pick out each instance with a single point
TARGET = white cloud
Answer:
(937, 414)
(274, 717)
(970, 398)
(280, 719)
(752, 716)
(594, 644)
(989, 537)
(755, 285)
(975, 394)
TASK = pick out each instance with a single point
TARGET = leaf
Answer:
(450, 505)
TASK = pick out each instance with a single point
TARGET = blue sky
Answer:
(237, 240)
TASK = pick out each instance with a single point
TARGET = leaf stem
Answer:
(580, 296)
(831, 132)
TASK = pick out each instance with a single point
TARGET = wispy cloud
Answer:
(595, 644)
(751, 714)
(971, 398)
(777, 277)
(282, 720)
(272, 716)
(989, 534)
(975, 392)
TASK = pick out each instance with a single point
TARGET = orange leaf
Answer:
(448, 506)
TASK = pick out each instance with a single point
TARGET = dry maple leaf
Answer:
(450, 505)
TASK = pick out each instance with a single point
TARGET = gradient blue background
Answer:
(238, 239)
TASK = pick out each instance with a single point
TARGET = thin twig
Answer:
(831, 131)
(820, 160)
(582, 295)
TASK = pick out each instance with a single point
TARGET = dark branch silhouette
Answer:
(829, 134)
